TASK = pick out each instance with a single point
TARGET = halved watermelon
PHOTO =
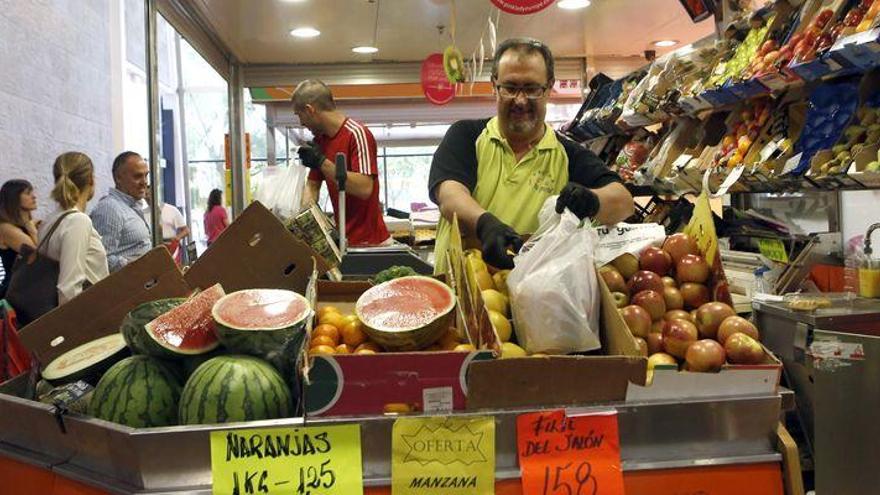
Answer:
(260, 322)
(407, 313)
(86, 362)
(185, 329)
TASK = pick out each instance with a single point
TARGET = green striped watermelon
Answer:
(184, 329)
(234, 388)
(139, 392)
(260, 322)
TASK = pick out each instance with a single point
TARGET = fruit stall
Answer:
(612, 359)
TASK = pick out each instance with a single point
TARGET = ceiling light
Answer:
(365, 49)
(572, 4)
(665, 43)
(305, 32)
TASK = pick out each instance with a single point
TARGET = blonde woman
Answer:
(74, 243)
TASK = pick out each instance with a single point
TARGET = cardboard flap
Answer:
(267, 255)
(552, 381)
(99, 310)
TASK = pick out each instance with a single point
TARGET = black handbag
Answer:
(33, 285)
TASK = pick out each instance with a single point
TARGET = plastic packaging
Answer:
(281, 190)
(554, 288)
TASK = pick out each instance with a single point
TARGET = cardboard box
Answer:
(255, 251)
(866, 155)
(860, 50)
(344, 385)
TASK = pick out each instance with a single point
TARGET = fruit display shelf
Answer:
(654, 436)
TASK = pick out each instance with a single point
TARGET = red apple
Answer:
(652, 302)
(695, 295)
(678, 245)
(645, 280)
(613, 279)
(620, 299)
(641, 346)
(736, 324)
(637, 319)
(692, 268)
(678, 314)
(669, 282)
(626, 264)
(742, 349)
(673, 298)
(654, 259)
(705, 355)
(678, 335)
(655, 342)
(710, 316)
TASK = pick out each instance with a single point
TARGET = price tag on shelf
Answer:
(452, 456)
(792, 163)
(294, 461)
(681, 161)
(773, 249)
(561, 454)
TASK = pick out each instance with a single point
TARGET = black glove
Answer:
(496, 237)
(582, 201)
(311, 155)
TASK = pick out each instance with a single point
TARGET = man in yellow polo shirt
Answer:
(496, 174)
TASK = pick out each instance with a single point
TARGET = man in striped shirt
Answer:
(119, 216)
(336, 133)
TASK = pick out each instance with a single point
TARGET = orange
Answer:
(323, 310)
(327, 330)
(370, 346)
(350, 318)
(321, 350)
(464, 348)
(323, 340)
(397, 408)
(344, 349)
(365, 351)
(335, 319)
(353, 334)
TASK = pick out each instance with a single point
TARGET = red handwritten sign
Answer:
(437, 88)
(523, 7)
(561, 455)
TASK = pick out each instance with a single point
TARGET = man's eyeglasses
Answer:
(530, 92)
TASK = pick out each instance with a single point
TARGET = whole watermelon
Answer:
(139, 391)
(233, 388)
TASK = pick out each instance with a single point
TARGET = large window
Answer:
(404, 176)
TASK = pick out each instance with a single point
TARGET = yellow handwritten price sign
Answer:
(452, 456)
(773, 249)
(287, 461)
(560, 455)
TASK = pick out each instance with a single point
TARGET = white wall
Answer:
(54, 89)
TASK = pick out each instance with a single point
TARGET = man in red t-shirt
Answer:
(335, 133)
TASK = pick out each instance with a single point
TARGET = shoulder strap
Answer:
(54, 226)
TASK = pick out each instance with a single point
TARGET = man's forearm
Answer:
(455, 200)
(615, 204)
(358, 185)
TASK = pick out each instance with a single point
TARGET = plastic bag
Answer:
(553, 289)
(281, 190)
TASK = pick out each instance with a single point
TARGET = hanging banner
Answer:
(523, 7)
(452, 456)
(436, 86)
(561, 454)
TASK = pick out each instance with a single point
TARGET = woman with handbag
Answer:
(69, 255)
(17, 229)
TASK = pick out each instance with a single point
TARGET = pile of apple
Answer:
(663, 298)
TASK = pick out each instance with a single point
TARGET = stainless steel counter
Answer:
(177, 460)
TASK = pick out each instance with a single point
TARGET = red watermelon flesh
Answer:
(404, 303)
(262, 309)
(188, 328)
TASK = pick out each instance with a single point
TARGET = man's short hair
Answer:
(313, 92)
(525, 46)
(120, 160)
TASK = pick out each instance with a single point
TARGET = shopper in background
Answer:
(174, 228)
(336, 133)
(119, 216)
(495, 174)
(216, 219)
(17, 229)
(75, 243)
